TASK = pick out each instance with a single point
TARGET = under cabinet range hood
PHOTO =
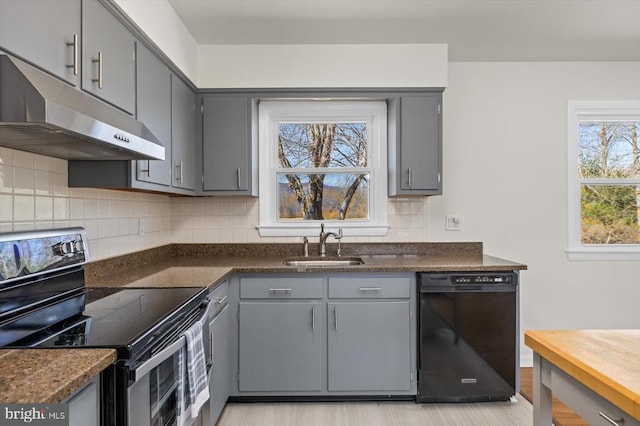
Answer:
(41, 114)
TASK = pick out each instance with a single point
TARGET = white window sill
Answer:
(604, 253)
(313, 230)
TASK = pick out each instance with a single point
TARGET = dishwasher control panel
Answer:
(482, 279)
(466, 279)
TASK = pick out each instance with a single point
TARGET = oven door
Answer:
(153, 398)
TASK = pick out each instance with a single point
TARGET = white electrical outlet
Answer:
(453, 223)
(141, 226)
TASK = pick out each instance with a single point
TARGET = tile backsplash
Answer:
(34, 195)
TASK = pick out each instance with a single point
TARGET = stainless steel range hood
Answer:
(41, 114)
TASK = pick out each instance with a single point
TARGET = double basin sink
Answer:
(309, 262)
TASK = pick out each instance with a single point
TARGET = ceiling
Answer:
(475, 30)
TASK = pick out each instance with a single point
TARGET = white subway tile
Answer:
(6, 156)
(23, 181)
(60, 208)
(43, 163)
(6, 178)
(6, 208)
(76, 208)
(44, 208)
(23, 208)
(43, 182)
(60, 185)
(60, 166)
(24, 159)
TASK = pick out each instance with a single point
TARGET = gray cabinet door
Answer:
(108, 50)
(84, 405)
(153, 92)
(226, 142)
(183, 143)
(220, 383)
(42, 32)
(280, 346)
(420, 143)
(369, 346)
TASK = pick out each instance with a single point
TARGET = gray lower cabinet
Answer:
(45, 33)
(84, 405)
(108, 57)
(315, 334)
(415, 144)
(220, 350)
(369, 346)
(183, 148)
(228, 157)
(280, 346)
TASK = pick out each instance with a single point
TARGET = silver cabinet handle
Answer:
(370, 288)
(147, 170)
(439, 178)
(238, 176)
(615, 422)
(74, 65)
(220, 300)
(99, 62)
(179, 177)
(335, 317)
(273, 290)
(409, 176)
(313, 318)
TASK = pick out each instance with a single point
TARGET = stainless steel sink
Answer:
(323, 261)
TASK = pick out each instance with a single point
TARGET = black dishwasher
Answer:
(468, 336)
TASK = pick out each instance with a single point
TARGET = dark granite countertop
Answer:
(201, 265)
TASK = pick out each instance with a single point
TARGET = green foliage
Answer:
(610, 214)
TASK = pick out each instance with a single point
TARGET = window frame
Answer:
(270, 112)
(578, 111)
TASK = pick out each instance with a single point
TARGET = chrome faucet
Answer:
(305, 246)
(323, 239)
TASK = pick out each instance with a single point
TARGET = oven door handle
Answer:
(166, 353)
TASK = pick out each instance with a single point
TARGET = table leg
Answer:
(541, 393)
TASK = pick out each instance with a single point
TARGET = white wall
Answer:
(361, 65)
(160, 22)
(505, 160)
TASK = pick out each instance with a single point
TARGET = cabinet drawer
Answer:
(281, 288)
(218, 297)
(369, 288)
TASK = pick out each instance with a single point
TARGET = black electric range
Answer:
(44, 303)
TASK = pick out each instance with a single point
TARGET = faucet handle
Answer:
(339, 236)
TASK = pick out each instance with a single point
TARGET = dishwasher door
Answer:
(467, 339)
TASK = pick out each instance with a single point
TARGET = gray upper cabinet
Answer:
(153, 92)
(281, 346)
(227, 144)
(45, 33)
(183, 148)
(415, 144)
(108, 57)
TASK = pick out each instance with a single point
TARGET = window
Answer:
(323, 162)
(604, 180)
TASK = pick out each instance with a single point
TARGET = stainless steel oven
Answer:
(468, 336)
(153, 394)
(44, 303)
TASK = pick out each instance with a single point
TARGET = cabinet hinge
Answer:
(202, 109)
(438, 108)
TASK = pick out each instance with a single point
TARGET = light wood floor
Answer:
(517, 413)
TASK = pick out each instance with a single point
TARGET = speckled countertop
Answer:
(48, 375)
(201, 265)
